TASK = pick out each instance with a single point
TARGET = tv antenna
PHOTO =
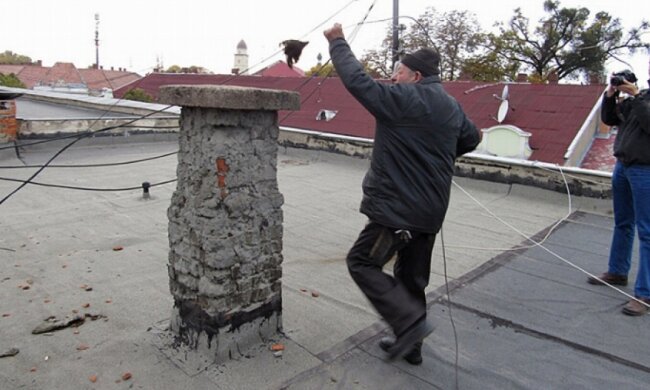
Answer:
(96, 41)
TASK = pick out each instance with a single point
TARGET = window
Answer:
(326, 115)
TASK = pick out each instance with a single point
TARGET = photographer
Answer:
(630, 186)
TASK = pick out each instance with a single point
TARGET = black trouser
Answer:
(400, 300)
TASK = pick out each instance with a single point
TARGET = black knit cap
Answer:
(425, 61)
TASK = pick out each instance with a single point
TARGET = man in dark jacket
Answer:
(419, 133)
(630, 188)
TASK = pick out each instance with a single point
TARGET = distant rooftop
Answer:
(553, 113)
(68, 73)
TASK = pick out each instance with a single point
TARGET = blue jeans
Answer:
(631, 192)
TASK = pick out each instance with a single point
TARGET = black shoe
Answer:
(405, 341)
(414, 356)
(614, 280)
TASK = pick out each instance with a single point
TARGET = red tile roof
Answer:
(62, 72)
(280, 69)
(553, 113)
(95, 79)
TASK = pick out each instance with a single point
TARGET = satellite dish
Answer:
(504, 94)
(503, 110)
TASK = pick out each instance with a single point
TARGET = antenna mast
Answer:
(96, 41)
(395, 48)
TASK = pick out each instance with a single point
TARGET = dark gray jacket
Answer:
(420, 131)
(632, 116)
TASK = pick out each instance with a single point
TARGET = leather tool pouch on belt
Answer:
(387, 242)
(383, 246)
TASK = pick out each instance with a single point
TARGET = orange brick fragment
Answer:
(92, 378)
(277, 347)
(126, 376)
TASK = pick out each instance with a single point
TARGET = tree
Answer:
(174, 69)
(378, 62)
(11, 58)
(489, 67)
(455, 35)
(565, 42)
(326, 70)
(11, 80)
(138, 94)
(458, 35)
(188, 69)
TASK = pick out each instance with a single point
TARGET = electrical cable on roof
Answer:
(451, 317)
(536, 244)
(67, 187)
(117, 101)
(226, 81)
(444, 259)
(90, 165)
(79, 137)
(67, 136)
(552, 229)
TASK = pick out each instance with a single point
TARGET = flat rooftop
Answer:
(523, 317)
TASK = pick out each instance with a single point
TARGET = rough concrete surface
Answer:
(523, 318)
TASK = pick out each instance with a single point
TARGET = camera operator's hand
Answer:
(628, 88)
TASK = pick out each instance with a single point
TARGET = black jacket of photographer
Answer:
(420, 130)
(632, 117)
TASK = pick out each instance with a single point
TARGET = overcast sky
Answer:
(135, 33)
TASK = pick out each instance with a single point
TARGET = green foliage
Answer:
(565, 42)
(190, 69)
(490, 68)
(11, 80)
(378, 62)
(319, 70)
(455, 35)
(174, 69)
(11, 58)
(139, 95)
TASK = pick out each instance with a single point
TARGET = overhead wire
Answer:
(79, 137)
(280, 50)
(86, 134)
(325, 77)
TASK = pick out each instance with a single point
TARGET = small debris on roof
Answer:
(10, 352)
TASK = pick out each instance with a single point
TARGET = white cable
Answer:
(548, 234)
(535, 243)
